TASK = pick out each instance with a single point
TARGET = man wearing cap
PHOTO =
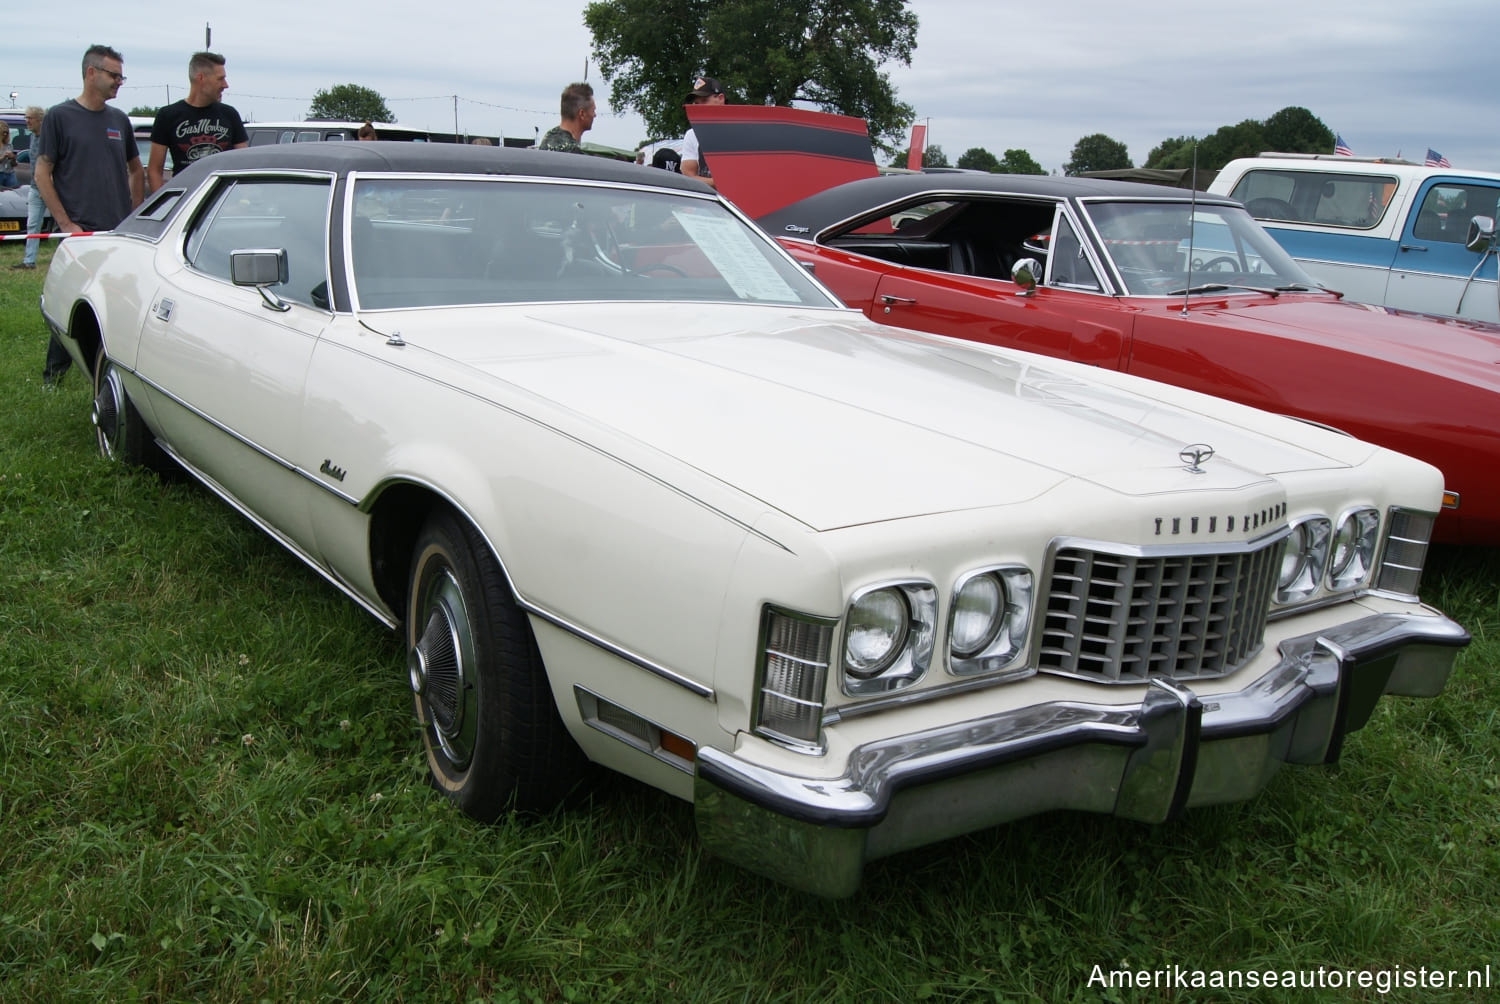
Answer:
(706, 91)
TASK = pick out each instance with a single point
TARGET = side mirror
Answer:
(1481, 235)
(1026, 273)
(260, 267)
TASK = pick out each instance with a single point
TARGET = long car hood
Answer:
(836, 421)
(1463, 349)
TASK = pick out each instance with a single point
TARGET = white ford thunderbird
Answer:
(639, 491)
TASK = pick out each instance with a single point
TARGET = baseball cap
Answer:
(704, 87)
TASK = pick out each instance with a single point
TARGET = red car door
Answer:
(1070, 316)
(1087, 328)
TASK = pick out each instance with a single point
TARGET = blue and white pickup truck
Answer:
(1380, 231)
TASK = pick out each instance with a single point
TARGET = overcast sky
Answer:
(1387, 76)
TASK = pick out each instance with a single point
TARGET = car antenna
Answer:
(1187, 287)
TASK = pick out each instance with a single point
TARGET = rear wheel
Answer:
(491, 733)
(121, 432)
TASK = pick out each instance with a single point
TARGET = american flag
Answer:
(1435, 159)
(1340, 148)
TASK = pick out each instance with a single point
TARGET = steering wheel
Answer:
(1223, 263)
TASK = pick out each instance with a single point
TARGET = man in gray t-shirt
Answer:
(87, 166)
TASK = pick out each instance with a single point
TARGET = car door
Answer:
(226, 365)
(1432, 269)
(1070, 315)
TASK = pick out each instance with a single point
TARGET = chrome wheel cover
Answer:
(442, 668)
(108, 412)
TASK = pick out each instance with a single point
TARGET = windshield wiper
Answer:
(1219, 287)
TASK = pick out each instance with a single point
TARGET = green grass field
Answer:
(211, 790)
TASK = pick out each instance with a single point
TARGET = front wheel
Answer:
(490, 730)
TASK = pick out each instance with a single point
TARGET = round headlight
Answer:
(1304, 560)
(978, 614)
(1293, 556)
(1353, 549)
(878, 624)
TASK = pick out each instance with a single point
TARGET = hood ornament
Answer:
(1195, 456)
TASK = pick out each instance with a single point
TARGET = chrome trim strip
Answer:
(377, 612)
(1205, 547)
(654, 668)
(904, 698)
(249, 444)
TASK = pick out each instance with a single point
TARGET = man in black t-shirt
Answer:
(197, 126)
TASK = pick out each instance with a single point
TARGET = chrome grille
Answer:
(1127, 617)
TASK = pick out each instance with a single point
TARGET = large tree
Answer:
(1291, 130)
(934, 156)
(977, 158)
(349, 103)
(1297, 130)
(1020, 162)
(1097, 152)
(827, 53)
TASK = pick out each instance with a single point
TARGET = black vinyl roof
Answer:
(444, 158)
(842, 202)
(396, 156)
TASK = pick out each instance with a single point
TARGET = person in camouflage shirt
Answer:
(577, 117)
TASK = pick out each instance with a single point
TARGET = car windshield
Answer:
(1163, 248)
(426, 242)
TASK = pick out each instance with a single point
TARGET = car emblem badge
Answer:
(1195, 456)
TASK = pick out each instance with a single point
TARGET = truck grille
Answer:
(1125, 617)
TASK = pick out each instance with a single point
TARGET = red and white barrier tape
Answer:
(48, 237)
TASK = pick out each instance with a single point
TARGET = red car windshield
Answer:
(1161, 248)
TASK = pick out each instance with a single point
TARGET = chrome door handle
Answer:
(888, 300)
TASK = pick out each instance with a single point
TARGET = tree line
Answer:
(829, 54)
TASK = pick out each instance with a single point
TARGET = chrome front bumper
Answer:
(1145, 761)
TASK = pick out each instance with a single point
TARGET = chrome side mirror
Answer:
(261, 268)
(1026, 273)
(1481, 235)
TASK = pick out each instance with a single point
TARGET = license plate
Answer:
(9, 225)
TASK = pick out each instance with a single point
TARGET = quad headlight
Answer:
(989, 620)
(1304, 560)
(1352, 553)
(888, 634)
